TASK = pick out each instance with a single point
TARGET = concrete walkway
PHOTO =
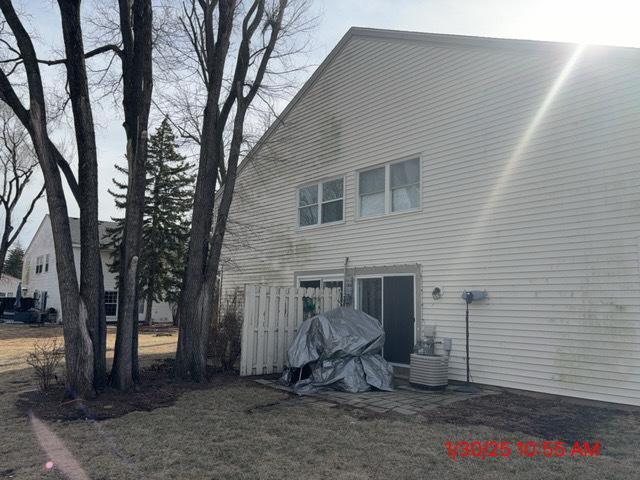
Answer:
(405, 400)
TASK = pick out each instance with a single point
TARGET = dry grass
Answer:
(17, 341)
(242, 430)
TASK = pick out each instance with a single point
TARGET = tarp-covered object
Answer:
(342, 349)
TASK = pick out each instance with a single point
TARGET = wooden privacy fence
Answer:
(271, 319)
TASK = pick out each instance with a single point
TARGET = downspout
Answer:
(344, 282)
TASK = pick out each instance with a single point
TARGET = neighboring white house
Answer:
(40, 278)
(419, 162)
(8, 286)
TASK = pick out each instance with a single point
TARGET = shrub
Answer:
(45, 360)
(226, 335)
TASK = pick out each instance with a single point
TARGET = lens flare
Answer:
(481, 221)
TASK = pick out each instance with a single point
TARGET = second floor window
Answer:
(394, 187)
(39, 263)
(321, 203)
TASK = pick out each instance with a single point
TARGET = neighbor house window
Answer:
(391, 188)
(39, 262)
(110, 303)
(321, 203)
(46, 263)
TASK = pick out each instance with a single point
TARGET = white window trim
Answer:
(319, 203)
(387, 189)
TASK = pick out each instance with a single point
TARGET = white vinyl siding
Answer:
(550, 229)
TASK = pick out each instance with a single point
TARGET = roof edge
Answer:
(478, 41)
(444, 39)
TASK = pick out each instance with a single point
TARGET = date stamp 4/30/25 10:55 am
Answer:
(484, 449)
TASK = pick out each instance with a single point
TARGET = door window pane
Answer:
(370, 296)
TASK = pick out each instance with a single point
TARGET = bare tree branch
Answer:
(92, 53)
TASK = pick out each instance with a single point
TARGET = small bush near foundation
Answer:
(226, 335)
(45, 359)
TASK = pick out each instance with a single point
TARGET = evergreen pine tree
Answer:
(165, 233)
(13, 263)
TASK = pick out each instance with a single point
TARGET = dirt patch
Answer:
(549, 417)
(158, 388)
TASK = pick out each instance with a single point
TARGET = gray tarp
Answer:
(342, 348)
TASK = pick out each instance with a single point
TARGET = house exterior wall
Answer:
(529, 190)
(8, 286)
(47, 281)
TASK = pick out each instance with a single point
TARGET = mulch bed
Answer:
(158, 388)
(550, 417)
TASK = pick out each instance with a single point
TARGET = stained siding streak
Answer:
(554, 241)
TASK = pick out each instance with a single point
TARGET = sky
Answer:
(610, 22)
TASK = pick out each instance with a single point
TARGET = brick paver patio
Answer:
(405, 399)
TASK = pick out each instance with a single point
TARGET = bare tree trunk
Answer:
(4, 243)
(91, 277)
(197, 299)
(147, 313)
(78, 345)
(136, 30)
(122, 371)
(194, 308)
(194, 305)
